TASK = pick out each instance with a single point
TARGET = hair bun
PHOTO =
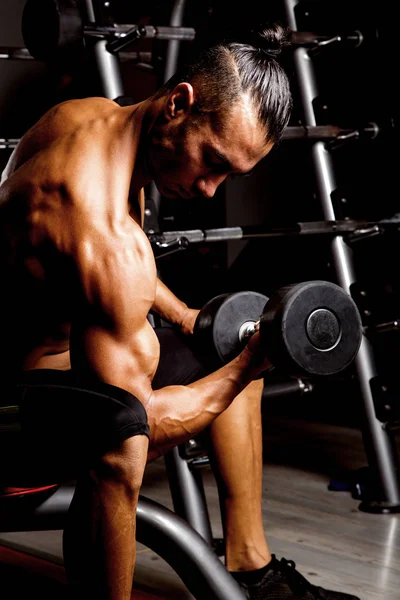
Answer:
(271, 39)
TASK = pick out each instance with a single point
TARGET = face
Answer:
(189, 159)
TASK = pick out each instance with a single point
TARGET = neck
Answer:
(142, 118)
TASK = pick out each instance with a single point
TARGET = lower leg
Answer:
(99, 538)
(236, 456)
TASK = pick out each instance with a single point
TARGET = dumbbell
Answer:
(53, 30)
(308, 328)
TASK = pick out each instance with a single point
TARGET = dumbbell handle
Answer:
(246, 330)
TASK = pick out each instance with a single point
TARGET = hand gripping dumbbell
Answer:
(312, 328)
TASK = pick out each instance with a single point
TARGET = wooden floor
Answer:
(333, 543)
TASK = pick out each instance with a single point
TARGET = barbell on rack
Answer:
(316, 42)
(54, 28)
(351, 228)
(328, 133)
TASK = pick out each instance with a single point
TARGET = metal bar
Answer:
(358, 229)
(383, 327)
(283, 389)
(109, 70)
(6, 144)
(133, 32)
(170, 67)
(330, 132)
(90, 14)
(180, 34)
(172, 53)
(301, 132)
(311, 39)
(158, 528)
(187, 493)
(379, 444)
(120, 41)
(15, 53)
(186, 552)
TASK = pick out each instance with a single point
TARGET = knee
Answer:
(123, 466)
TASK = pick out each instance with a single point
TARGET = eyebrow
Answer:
(224, 159)
(229, 165)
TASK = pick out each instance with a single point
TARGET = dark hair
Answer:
(225, 71)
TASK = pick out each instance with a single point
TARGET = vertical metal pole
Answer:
(172, 54)
(109, 71)
(378, 440)
(171, 64)
(90, 11)
(187, 492)
(107, 63)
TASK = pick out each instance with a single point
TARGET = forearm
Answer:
(168, 306)
(177, 413)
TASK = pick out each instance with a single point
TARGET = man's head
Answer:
(221, 115)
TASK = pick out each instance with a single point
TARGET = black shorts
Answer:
(52, 426)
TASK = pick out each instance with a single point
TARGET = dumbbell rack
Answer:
(377, 434)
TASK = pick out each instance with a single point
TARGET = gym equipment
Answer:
(313, 41)
(8, 144)
(378, 436)
(157, 527)
(225, 324)
(330, 133)
(54, 29)
(15, 54)
(312, 328)
(354, 230)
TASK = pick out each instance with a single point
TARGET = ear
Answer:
(179, 101)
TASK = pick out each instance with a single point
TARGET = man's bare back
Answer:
(68, 186)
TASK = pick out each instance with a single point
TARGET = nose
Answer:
(207, 186)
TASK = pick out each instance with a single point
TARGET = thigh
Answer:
(179, 363)
(53, 427)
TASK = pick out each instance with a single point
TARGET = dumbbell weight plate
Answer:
(53, 30)
(311, 328)
(220, 320)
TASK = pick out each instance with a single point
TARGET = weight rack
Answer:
(378, 436)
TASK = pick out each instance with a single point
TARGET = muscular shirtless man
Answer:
(79, 280)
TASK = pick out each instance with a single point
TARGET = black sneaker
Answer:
(282, 581)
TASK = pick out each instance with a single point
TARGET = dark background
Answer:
(356, 86)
